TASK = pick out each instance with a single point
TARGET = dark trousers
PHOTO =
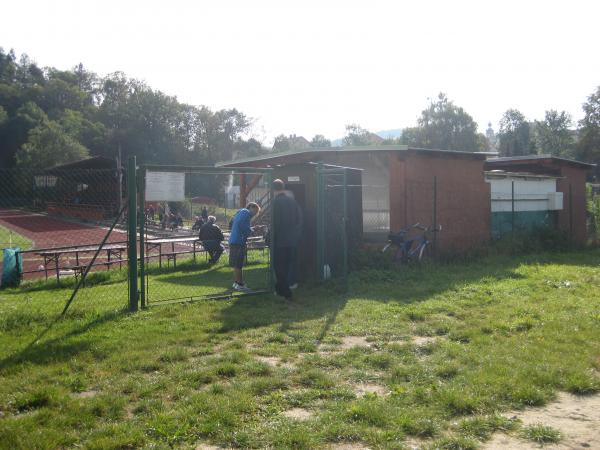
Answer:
(282, 260)
(214, 249)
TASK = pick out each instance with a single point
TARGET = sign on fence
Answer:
(165, 186)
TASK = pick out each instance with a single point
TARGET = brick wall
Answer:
(462, 198)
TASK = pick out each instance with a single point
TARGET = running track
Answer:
(48, 232)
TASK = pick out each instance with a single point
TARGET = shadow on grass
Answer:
(401, 285)
(57, 348)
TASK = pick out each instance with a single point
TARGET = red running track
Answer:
(49, 232)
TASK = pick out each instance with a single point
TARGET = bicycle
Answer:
(410, 249)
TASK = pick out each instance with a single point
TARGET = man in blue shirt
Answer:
(240, 230)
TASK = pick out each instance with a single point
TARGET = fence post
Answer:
(570, 212)
(142, 191)
(512, 202)
(132, 228)
(434, 216)
(345, 229)
(320, 223)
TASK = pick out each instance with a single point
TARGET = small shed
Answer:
(571, 178)
(523, 201)
(302, 180)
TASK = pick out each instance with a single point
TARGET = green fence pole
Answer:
(132, 227)
(512, 203)
(434, 216)
(142, 191)
(570, 211)
(345, 229)
(272, 231)
(320, 223)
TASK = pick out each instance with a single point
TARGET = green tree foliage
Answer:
(443, 125)
(513, 137)
(48, 145)
(320, 141)
(282, 143)
(588, 147)
(356, 135)
(109, 114)
(552, 135)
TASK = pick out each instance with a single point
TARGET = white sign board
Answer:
(165, 186)
(293, 179)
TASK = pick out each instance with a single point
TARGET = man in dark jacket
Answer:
(211, 237)
(287, 226)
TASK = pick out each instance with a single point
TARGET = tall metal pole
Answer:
(142, 191)
(570, 211)
(434, 216)
(132, 228)
(512, 202)
(345, 228)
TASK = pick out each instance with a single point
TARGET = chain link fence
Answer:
(57, 223)
(182, 260)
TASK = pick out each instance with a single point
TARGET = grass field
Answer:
(432, 354)
(11, 239)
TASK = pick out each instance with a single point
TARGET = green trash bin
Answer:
(12, 267)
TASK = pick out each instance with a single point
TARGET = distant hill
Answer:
(385, 134)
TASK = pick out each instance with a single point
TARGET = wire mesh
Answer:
(180, 263)
(58, 218)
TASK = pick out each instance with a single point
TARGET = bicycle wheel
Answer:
(424, 252)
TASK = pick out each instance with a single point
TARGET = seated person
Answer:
(211, 237)
(198, 224)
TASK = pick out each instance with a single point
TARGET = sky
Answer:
(311, 67)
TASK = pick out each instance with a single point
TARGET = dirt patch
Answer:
(576, 417)
(422, 341)
(363, 389)
(86, 394)
(298, 414)
(415, 444)
(209, 447)
(348, 446)
(349, 342)
(274, 361)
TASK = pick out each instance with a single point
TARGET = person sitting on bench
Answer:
(211, 237)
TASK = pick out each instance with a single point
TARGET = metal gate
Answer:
(332, 222)
(174, 201)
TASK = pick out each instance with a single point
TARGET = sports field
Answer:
(40, 231)
(455, 356)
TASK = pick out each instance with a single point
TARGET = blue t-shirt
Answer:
(240, 229)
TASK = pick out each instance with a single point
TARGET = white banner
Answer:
(165, 186)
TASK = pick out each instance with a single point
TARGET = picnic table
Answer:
(54, 255)
(153, 244)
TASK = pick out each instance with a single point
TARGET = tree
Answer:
(588, 147)
(48, 145)
(320, 141)
(356, 135)
(513, 136)
(552, 135)
(443, 125)
(281, 143)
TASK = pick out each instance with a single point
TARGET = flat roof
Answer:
(505, 174)
(526, 158)
(351, 149)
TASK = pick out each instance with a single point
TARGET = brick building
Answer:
(571, 178)
(403, 185)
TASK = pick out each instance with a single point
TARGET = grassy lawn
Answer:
(431, 354)
(7, 236)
